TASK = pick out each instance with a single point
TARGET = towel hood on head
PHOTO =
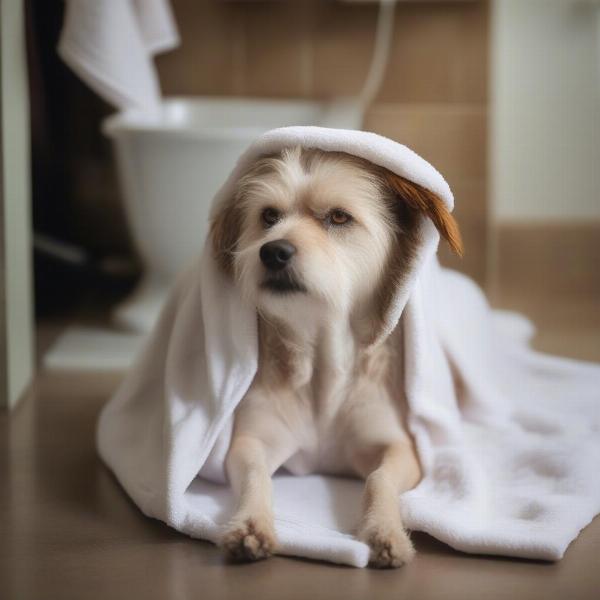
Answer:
(489, 473)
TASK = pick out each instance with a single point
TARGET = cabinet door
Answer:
(16, 330)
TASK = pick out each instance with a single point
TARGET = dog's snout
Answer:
(276, 255)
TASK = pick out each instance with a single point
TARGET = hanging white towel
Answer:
(510, 457)
(110, 45)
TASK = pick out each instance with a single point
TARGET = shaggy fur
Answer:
(325, 397)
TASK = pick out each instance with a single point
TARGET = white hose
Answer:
(384, 35)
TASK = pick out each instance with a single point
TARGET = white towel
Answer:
(510, 460)
(110, 44)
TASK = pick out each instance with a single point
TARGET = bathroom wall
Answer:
(434, 97)
(546, 119)
(545, 146)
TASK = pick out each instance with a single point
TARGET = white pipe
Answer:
(384, 35)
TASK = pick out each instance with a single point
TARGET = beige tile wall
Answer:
(434, 97)
(531, 262)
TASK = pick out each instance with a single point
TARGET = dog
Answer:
(318, 242)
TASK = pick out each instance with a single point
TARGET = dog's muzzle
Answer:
(277, 254)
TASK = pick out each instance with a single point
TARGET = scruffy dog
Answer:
(318, 242)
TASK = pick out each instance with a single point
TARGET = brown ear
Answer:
(224, 233)
(421, 199)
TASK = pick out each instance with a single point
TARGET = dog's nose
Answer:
(276, 255)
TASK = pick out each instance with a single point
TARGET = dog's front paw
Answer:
(250, 538)
(390, 545)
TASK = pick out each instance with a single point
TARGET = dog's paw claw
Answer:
(249, 539)
(390, 548)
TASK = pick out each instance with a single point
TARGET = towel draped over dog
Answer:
(508, 439)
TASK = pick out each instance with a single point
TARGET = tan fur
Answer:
(224, 233)
(324, 399)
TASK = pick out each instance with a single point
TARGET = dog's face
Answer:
(316, 230)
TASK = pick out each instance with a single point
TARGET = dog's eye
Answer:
(339, 217)
(270, 216)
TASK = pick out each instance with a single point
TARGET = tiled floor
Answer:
(68, 531)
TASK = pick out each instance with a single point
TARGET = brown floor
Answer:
(68, 531)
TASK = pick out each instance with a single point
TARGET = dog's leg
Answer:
(258, 448)
(250, 534)
(389, 470)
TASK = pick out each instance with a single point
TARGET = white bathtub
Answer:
(171, 164)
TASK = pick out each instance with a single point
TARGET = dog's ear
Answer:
(224, 232)
(408, 202)
(418, 198)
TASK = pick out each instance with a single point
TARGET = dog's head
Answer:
(324, 231)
